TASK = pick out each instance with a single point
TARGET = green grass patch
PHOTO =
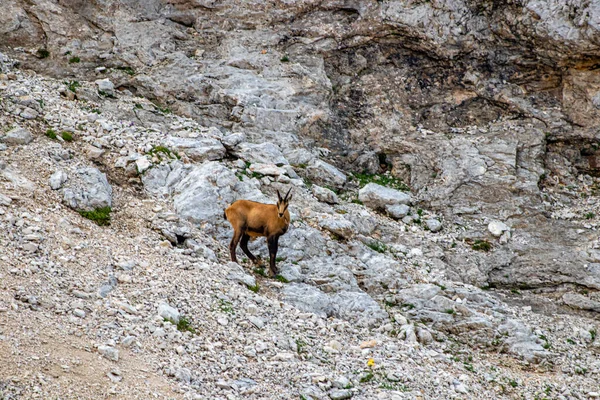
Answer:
(260, 271)
(285, 58)
(226, 306)
(357, 201)
(100, 216)
(481, 245)
(367, 377)
(127, 70)
(163, 152)
(184, 325)
(74, 60)
(67, 136)
(281, 279)
(377, 246)
(51, 134)
(300, 345)
(73, 85)
(254, 288)
(589, 215)
(449, 311)
(380, 179)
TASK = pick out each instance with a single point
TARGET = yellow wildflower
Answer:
(371, 362)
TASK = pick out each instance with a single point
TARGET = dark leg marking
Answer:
(244, 246)
(272, 242)
(233, 245)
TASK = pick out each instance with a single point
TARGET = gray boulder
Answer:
(397, 211)
(581, 302)
(433, 225)
(88, 189)
(105, 87)
(325, 173)
(339, 226)
(378, 197)
(264, 153)
(307, 298)
(203, 194)
(198, 149)
(325, 195)
(17, 136)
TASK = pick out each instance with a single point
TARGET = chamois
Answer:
(251, 219)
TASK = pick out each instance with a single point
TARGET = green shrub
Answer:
(67, 136)
(51, 133)
(377, 246)
(100, 216)
(482, 245)
(380, 179)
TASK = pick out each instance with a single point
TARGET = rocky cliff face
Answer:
(435, 148)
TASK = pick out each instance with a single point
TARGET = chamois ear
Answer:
(278, 196)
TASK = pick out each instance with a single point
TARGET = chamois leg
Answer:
(237, 235)
(272, 243)
(244, 246)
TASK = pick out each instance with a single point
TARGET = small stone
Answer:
(58, 179)
(497, 228)
(340, 394)
(368, 344)
(424, 336)
(261, 346)
(184, 375)
(334, 344)
(341, 382)
(105, 87)
(128, 341)
(257, 322)
(115, 376)
(109, 352)
(79, 313)
(397, 211)
(433, 225)
(168, 312)
(142, 164)
(223, 321)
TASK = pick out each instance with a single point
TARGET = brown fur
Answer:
(251, 219)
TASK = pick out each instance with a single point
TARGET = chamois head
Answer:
(283, 203)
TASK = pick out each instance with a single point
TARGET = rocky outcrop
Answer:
(87, 189)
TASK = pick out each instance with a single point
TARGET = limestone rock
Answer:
(325, 195)
(87, 190)
(168, 312)
(325, 173)
(58, 179)
(197, 149)
(17, 136)
(378, 197)
(497, 228)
